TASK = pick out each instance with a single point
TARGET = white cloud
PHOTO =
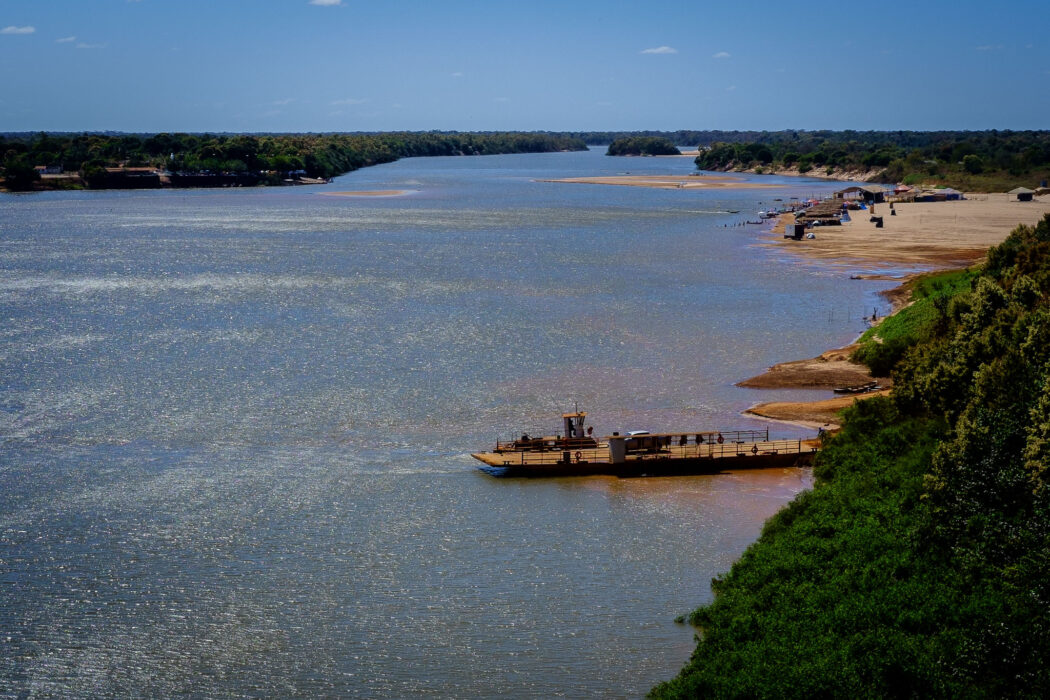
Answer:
(348, 101)
(66, 40)
(660, 50)
(990, 47)
(283, 103)
(731, 88)
(721, 54)
(18, 30)
(458, 74)
(82, 45)
(326, 3)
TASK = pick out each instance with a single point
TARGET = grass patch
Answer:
(883, 345)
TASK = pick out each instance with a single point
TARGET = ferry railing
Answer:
(705, 450)
(635, 442)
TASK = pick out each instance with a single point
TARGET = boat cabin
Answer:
(574, 435)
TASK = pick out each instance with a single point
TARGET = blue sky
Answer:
(347, 65)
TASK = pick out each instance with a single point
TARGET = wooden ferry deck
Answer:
(652, 455)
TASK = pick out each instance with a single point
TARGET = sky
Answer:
(529, 65)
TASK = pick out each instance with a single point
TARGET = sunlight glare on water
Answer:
(236, 428)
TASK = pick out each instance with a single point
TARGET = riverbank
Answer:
(936, 235)
(843, 174)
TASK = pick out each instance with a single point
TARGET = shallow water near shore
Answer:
(236, 427)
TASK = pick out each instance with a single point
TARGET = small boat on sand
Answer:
(858, 388)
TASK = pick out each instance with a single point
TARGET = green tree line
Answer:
(314, 155)
(919, 564)
(643, 146)
(967, 159)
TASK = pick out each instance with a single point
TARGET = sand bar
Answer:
(830, 370)
(668, 182)
(811, 414)
(368, 193)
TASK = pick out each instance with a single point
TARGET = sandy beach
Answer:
(927, 234)
(828, 371)
(667, 182)
(811, 414)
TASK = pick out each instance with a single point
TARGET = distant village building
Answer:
(49, 169)
(1023, 194)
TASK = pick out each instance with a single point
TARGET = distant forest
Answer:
(253, 158)
(643, 146)
(974, 160)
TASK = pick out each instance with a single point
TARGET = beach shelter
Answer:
(1023, 194)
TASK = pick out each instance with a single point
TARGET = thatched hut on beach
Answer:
(866, 193)
(1023, 194)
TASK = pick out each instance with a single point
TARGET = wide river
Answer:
(235, 427)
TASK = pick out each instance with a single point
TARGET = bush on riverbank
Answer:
(882, 346)
(919, 565)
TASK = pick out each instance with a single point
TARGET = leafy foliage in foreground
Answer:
(920, 563)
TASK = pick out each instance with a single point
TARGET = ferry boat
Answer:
(641, 453)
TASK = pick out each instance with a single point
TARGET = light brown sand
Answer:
(367, 193)
(830, 370)
(667, 182)
(937, 234)
(812, 414)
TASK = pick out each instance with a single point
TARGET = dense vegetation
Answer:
(971, 160)
(919, 565)
(643, 146)
(273, 156)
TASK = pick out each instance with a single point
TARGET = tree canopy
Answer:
(643, 146)
(270, 156)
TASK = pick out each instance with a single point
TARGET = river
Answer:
(236, 427)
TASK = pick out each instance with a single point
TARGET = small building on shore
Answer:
(1023, 194)
(871, 194)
